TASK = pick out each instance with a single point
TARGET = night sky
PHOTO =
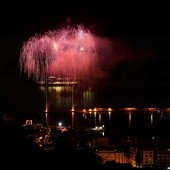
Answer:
(143, 75)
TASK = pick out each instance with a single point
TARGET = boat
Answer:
(58, 81)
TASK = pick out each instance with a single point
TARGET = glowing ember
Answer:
(67, 53)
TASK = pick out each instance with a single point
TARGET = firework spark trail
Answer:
(76, 49)
(36, 56)
(68, 52)
(72, 52)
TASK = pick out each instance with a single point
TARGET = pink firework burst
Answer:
(68, 53)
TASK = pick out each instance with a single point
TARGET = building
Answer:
(117, 156)
(148, 158)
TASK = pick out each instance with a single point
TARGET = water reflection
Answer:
(67, 97)
(117, 121)
(77, 107)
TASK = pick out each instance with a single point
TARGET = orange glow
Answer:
(109, 109)
(130, 109)
(84, 110)
(152, 109)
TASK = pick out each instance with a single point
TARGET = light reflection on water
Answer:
(61, 100)
(65, 97)
(119, 122)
